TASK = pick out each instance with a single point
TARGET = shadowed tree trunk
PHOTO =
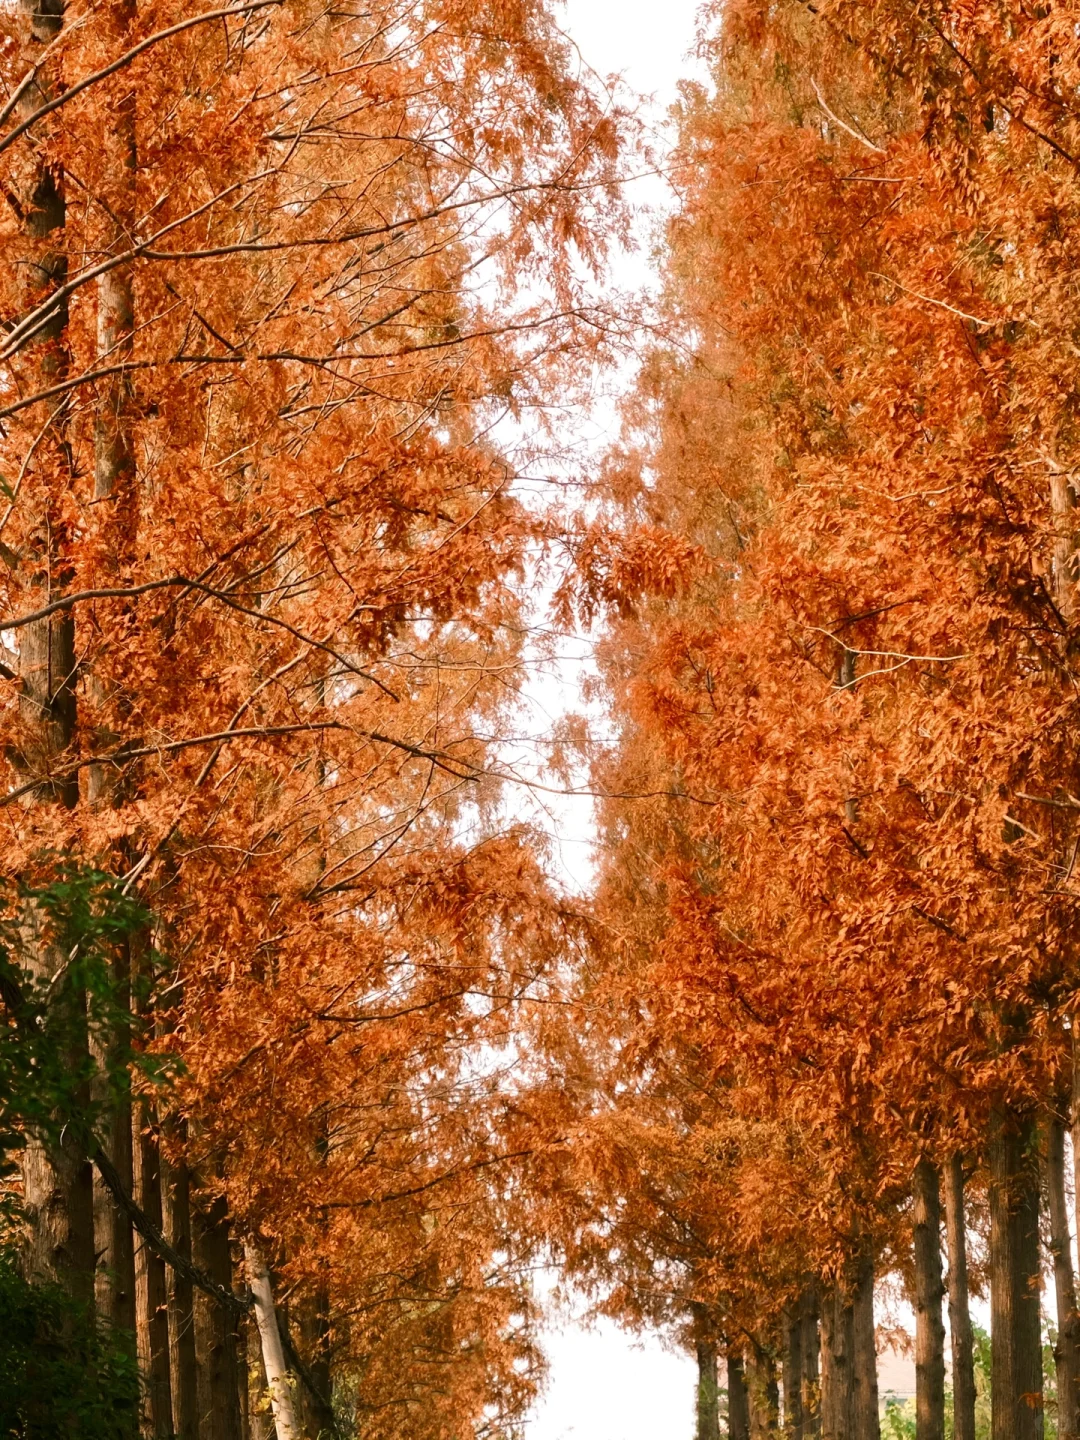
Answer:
(1067, 1349)
(215, 1328)
(811, 1364)
(929, 1291)
(1016, 1365)
(182, 1357)
(866, 1424)
(764, 1394)
(57, 1178)
(738, 1400)
(708, 1384)
(152, 1285)
(708, 1390)
(963, 1358)
(837, 1365)
(793, 1373)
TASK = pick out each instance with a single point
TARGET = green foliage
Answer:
(898, 1422)
(62, 1374)
(89, 924)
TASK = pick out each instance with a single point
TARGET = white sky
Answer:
(605, 1385)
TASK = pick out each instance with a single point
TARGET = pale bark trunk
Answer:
(866, 1423)
(1067, 1349)
(215, 1328)
(1016, 1366)
(738, 1400)
(963, 1357)
(793, 1373)
(183, 1381)
(929, 1291)
(811, 1365)
(260, 1422)
(837, 1366)
(277, 1377)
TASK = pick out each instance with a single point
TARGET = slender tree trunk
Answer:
(152, 1285)
(114, 1240)
(215, 1328)
(260, 1421)
(57, 1178)
(1067, 1349)
(277, 1377)
(793, 1373)
(811, 1364)
(866, 1420)
(183, 1381)
(113, 470)
(738, 1400)
(929, 1291)
(764, 1395)
(708, 1390)
(1016, 1366)
(316, 1411)
(963, 1357)
(837, 1366)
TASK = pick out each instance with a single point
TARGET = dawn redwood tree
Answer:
(269, 289)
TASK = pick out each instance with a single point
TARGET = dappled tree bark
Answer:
(708, 1390)
(57, 1179)
(152, 1282)
(1067, 1347)
(792, 1373)
(764, 1393)
(183, 1369)
(866, 1424)
(737, 1397)
(837, 1365)
(960, 1332)
(1016, 1366)
(929, 1292)
(215, 1326)
(811, 1363)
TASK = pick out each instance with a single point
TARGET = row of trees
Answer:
(274, 270)
(833, 987)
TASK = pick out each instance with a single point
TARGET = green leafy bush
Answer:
(63, 1376)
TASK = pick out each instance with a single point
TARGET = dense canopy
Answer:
(308, 1057)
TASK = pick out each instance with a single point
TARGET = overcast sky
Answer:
(605, 1385)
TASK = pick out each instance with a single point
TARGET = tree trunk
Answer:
(114, 1239)
(837, 1366)
(152, 1285)
(316, 1411)
(57, 1177)
(865, 1417)
(260, 1422)
(963, 1357)
(929, 1291)
(1016, 1365)
(793, 1373)
(183, 1381)
(708, 1390)
(215, 1328)
(738, 1400)
(764, 1395)
(1067, 1349)
(277, 1377)
(811, 1364)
